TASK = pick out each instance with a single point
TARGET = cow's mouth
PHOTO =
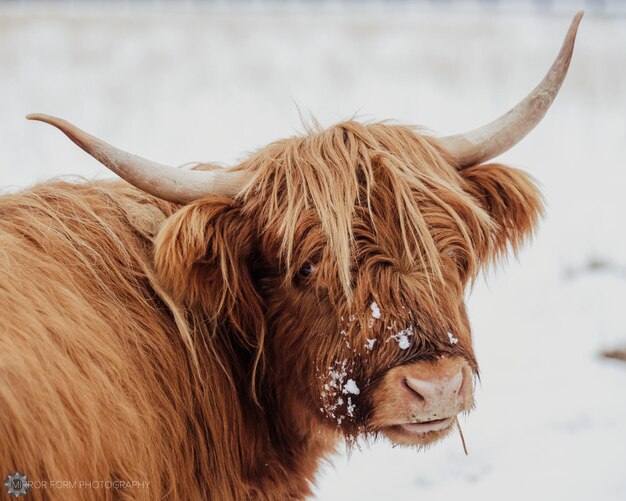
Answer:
(426, 426)
(422, 433)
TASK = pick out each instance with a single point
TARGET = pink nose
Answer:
(431, 391)
(436, 398)
(422, 397)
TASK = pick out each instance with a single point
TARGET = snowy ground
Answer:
(185, 85)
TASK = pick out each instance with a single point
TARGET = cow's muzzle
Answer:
(417, 403)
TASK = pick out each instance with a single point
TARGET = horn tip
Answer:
(40, 117)
(576, 21)
(57, 122)
(570, 38)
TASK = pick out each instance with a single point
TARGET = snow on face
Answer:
(452, 339)
(339, 384)
(350, 407)
(339, 389)
(402, 337)
(375, 310)
(351, 387)
(403, 342)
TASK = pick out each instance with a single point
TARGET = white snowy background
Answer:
(186, 83)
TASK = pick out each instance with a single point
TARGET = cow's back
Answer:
(95, 379)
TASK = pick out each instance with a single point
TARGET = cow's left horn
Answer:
(489, 141)
(162, 181)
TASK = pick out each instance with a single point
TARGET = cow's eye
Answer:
(306, 270)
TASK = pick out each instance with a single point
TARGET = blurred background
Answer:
(212, 81)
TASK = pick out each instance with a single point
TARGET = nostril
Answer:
(435, 390)
(465, 387)
(426, 391)
(412, 389)
(458, 382)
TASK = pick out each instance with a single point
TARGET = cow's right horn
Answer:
(161, 181)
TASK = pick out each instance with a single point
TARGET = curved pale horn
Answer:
(161, 181)
(489, 141)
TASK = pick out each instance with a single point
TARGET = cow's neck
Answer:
(284, 463)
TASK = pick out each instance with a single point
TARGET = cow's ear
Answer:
(511, 198)
(202, 256)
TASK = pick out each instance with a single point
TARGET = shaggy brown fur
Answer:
(203, 348)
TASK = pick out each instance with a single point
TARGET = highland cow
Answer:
(214, 334)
